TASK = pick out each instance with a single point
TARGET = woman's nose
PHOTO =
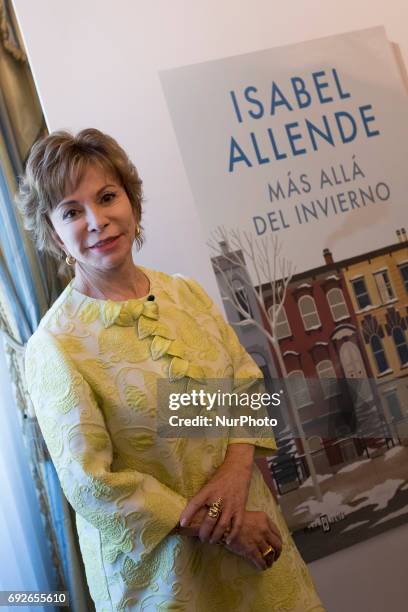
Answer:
(96, 218)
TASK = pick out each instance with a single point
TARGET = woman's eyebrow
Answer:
(104, 187)
(66, 203)
(69, 202)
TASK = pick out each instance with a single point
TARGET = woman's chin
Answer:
(113, 256)
(105, 261)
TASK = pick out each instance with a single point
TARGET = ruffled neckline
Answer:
(144, 315)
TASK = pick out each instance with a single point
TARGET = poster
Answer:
(296, 158)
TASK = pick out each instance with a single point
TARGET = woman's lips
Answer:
(105, 246)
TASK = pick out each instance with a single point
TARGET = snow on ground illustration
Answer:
(353, 466)
(360, 500)
(392, 515)
(355, 526)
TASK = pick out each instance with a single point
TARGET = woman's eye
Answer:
(107, 197)
(67, 214)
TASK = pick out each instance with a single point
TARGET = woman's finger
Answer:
(222, 526)
(237, 520)
(275, 542)
(270, 559)
(259, 561)
(277, 545)
(273, 527)
(210, 522)
(193, 505)
(271, 556)
(275, 531)
(207, 527)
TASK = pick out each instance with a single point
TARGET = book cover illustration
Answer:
(296, 159)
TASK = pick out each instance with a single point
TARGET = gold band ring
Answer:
(215, 508)
(268, 551)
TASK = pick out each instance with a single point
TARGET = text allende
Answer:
(295, 138)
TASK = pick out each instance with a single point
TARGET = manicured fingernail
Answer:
(183, 522)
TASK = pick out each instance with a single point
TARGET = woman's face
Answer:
(98, 209)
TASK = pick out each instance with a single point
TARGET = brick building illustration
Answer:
(342, 334)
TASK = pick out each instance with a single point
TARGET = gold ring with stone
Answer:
(268, 551)
(215, 508)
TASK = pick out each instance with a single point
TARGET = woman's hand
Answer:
(193, 527)
(231, 483)
(257, 533)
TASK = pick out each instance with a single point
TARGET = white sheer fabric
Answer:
(24, 559)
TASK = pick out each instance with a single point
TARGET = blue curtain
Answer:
(28, 286)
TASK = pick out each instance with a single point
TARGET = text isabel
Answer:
(295, 137)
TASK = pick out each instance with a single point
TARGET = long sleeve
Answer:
(133, 511)
(243, 364)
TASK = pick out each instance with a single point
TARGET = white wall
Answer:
(368, 577)
(95, 63)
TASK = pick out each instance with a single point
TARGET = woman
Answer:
(149, 510)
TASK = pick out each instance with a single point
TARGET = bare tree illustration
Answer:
(275, 272)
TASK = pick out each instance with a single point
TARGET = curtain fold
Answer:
(29, 284)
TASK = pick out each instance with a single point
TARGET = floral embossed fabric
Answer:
(92, 369)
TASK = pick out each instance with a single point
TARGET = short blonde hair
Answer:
(55, 165)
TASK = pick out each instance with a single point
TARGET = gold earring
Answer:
(70, 260)
(137, 231)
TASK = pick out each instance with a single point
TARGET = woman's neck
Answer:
(128, 283)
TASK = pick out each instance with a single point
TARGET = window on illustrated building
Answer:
(379, 353)
(308, 312)
(401, 346)
(337, 304)
(328, 378)
(404, 274)
(394, 405)
(242, 298)
(361, 293)
(299, 388)
(385, 290)
(282, 324)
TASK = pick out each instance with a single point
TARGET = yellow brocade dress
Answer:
(92, 369)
